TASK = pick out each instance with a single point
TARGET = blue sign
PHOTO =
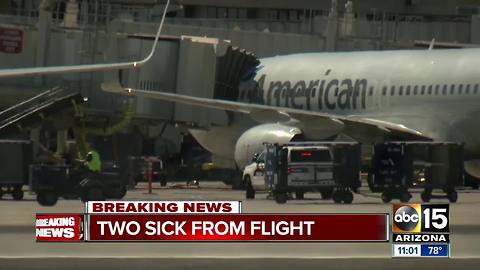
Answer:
(435, 250)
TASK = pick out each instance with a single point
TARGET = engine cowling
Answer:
(251, 141)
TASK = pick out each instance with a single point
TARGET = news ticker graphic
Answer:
(421, 250)
(204, 221)
(421, 223)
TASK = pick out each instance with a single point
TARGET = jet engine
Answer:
(251, 141)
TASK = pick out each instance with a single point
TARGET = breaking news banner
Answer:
(205, 221)
(426, 224)
(162, 207)
(238, 227)
(59, 228)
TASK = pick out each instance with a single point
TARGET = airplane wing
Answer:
(361, 127)
(86, 68)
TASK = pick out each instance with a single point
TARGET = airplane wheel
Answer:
(281, 198)
(386, 198)
(452, 196)
(299, 195)
(1, 192)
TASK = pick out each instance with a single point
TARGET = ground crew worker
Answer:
(93, 162)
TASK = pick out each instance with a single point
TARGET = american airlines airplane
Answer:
(366, 96)
(363, 96)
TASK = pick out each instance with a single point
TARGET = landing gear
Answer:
(342, 195)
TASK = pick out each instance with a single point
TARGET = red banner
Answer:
(238, 227)
(11, 40)
(59, 227)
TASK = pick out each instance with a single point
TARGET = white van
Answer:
(307, 166)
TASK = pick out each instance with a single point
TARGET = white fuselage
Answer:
(436, 92)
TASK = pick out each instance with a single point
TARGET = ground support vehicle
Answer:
(331, 168)
(398, 166)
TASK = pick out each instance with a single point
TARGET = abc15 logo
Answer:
(416, 218)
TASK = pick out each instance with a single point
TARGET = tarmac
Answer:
(18, 249)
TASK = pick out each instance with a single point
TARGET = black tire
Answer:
(47, 198)
(163, 181)
(281, 198)
(1, 192)
(348, 197)
(326, 193)
(371, 185)
(337, 196)
(237, 181)
(299, 195)
(405, 197)
(250, 193)
(386, 198)
(119, 192)
(94, 194)
(17, 193)
(249, 190)
(452, 196)
(425, 196)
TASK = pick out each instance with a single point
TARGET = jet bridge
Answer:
(187, 65)
(210, 68)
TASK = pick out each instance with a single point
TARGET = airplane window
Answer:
(407, 92)
(400, 91)
(392, 91)
(437, 88)
(444, 90)
(423, 90)
(384, 91)
(452, 89)
(430, 89)
(475, 89)
(415, 89)
(467, 89)
(460, 88)
(370, 92)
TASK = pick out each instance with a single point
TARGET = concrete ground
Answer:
(18, 249)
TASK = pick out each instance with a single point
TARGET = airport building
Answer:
(188, 59)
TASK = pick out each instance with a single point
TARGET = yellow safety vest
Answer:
(94, 165)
